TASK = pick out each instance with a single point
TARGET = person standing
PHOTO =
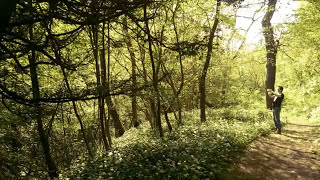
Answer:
(276, 107)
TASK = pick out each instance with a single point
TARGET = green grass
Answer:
(192, 151)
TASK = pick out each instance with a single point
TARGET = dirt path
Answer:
(287, 156)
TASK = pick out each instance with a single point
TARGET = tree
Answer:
(177, 92)
(271, 47)
(99, 65)
(52, 168)
(75, 108)
(155, 78)
(133, 58)
(202, 83)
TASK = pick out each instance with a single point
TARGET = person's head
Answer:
(280, 89)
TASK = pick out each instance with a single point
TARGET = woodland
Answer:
(147, 89)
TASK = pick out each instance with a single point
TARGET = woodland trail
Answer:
(288, 156)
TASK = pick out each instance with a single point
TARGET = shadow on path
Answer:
(306, 125)
(286, 156)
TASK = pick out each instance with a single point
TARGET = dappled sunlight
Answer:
(286, 156)
(189, 151)
(159, 89)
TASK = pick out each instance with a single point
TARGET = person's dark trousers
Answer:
(276, 118)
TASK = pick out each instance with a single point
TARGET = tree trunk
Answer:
(94, 42)
(76, 113)
(149, 100)
(134, 122)
(154, 75)
(105, 73)
(108, 86)
(171, 84)
(202, 83)
(119, 129)
(167, 119)
(52, 168)
(181, 66)
(271, 48)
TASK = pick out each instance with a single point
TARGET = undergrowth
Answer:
(192, 151)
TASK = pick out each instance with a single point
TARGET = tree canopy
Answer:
(92, 83)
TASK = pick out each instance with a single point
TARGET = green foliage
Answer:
(239, 114)
(235, 86)
(298, 60)
(189, 152)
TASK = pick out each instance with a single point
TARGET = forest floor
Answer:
(294, 154)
